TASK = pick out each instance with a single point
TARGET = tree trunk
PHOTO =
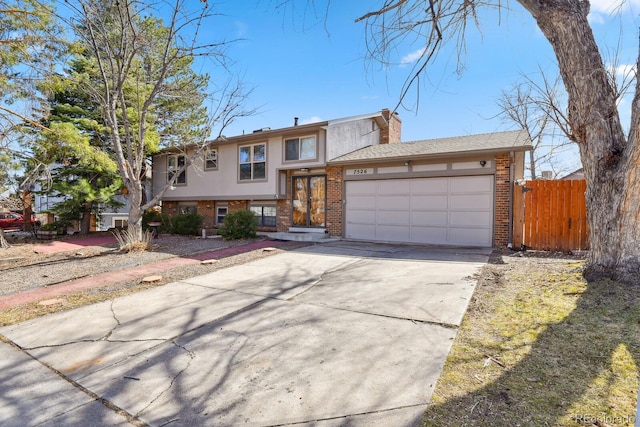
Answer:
(532, 163)
(27, 212)
(135, 213)
(3, 240)
(85, 221)
(609, 159)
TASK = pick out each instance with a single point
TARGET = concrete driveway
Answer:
(329, 335)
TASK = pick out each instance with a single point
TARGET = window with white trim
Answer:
(221, 212)
(120, 223)
(266, 215)
(175, 162)
(211, 159)
(253, 162)
(300, 148)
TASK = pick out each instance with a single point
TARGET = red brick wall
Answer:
(284, 208)
(206, 209)
(238, 205)
(170, 208)
(393, 132)
(501, 224)
(335, 207)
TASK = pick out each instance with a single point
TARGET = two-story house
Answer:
(353, 178)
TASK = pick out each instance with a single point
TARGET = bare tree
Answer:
(610, 157)
(137, 63)
(535, 108)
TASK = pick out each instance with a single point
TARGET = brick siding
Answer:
(206, 209)
(501, 221)
(335, 207)
(170, 208)
(392, 133)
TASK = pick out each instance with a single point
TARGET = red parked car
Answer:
(13, 221)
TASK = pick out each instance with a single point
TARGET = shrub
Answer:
(189, 224)
(128, 243)
(154, 216)
(239, 225)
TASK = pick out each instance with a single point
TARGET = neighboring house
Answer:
(352, 178)
(109, 217)
(578, 174)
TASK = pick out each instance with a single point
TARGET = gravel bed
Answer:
(21, 268)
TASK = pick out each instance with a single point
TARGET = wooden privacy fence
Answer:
(550, 215)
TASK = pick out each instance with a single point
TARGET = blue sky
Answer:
(302, 66)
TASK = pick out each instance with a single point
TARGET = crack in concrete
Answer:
(134, 420)
(192, 356)
(113, 313)
(324, 274)
(388, 316)
(341, 417)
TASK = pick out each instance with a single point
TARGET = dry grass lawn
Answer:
(541, 347)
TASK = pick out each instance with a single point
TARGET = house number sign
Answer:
(360, 171)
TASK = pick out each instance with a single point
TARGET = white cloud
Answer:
(412, 57)
(313, 119)
(622, 71)
(595, 18)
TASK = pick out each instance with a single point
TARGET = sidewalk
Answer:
(112, 277)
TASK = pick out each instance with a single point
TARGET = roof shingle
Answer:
(497, 141)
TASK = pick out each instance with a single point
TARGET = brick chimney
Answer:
(392, 133)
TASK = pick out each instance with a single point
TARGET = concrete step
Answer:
(302, 237)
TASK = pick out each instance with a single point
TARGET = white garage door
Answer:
(442, 211)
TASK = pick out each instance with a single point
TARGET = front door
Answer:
(309, 198)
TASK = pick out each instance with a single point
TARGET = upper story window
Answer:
(175, 162)
(211, 159)
(253, 162)
(300, 148)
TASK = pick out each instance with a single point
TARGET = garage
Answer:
(443, 211)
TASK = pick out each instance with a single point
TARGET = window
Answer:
(175, 162)
(221, 212)
(211, 159)
(120, 223)
(266, 215)
(187, 208)
(253, 162)
(300, 148)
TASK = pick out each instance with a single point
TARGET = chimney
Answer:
(392, 133)
(295, 121)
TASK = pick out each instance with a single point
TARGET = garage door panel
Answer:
(430, 202)
(471, 184)
(432, 235)
(393, 187)
(362, 202)
(390, 217)
(429, 186)
(397, 202)
(361, 217)
(476, 219)
(422, 218)
(470, 201)
(362, 187)
(470, 236)
(447, 211)
(393, 233)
